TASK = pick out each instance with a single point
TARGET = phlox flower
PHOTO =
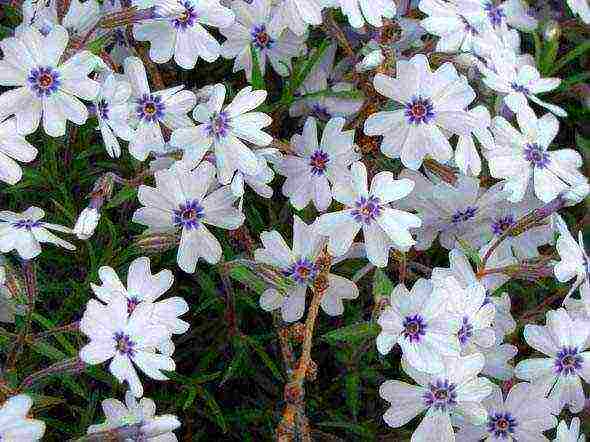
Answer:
(80, 17)
(15, 423)
(581, 8)
(467, 157)
(13, 147)
(296, 15)
(571, 433)
(260, 182)
(360, 12)
(574, 262)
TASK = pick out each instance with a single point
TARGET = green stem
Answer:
(570, 56)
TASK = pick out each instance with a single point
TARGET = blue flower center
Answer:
(414, 328)
(124, 344)
(568, 362)
(464, 215)
(366, 210)
(27, 224)
(500, 225)
(441, 395)
(187, 19)
(260, 37)
(150, 108)
(535, 155)
(519, 88)
(495, 13)
(132, 303)
(501, 425)
(219, 125)
(319, 162)
(320, 111)
(419, 111)
(44, 81)
(189, 215)
(102, 109)
(303, 271)
(465, 332)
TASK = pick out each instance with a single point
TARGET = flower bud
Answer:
(160, 425)
(156, 243)
(87, 222)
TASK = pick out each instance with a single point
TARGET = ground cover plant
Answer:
(294, 220)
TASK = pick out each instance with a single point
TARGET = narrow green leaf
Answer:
(257, 78)
(382, 285)
(266, 359)
(248, 278)
(352, 334)
(126, 194)
(217, 416)
(352, 389)
(570, 56)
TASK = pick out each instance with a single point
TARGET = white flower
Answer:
(457, 390)
(252, 30)
(523, 416)
(178, 30)
(520, 157)
(497, 361)
(361, 11)
(24, 232)
(582, 8)
(431, 102)
(222, 129)
(571, 434)
(13, 147)
(314, 168)
(466, 155)
(574, 262)
(383, 227)
(80, 18)
(15, 425)
(296, 15)
(184, 201)
(298, 265)
(475, 314)
(498, 14)
(150, 111)
(44, 87)
(419, 322)
(86, 223)
(259, 182)
(145, 288)
(518, 82)
(128, 339)
(113, 112)
(451, 211)
(154, 428)
(559, 375)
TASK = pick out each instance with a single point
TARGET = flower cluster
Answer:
(451, 140)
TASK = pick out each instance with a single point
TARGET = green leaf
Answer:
(470, 252)
(352, 334)
(352, 389)
(353, 428)
(217, 416)
(266, 359)
(570, 56)
(382, 285)
(257, 78)
(248, 278)
(126, 194)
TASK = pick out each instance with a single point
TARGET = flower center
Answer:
(187, 18)
(320, 111)
(319, 161)
(260, 37)
(366, 209)
(419, 110)
(495, 13)
(568, 362)
(219, 125)
(441, 395)
(27, 224)
(303, 271)
(502, 224)
(465, 332)
(124, 344)
(414, 328)
(501, 425)
(150, 108)
(464, 215)
(132, 303)
(103, 109)
(535, 155)
(44, 81)
(519, 88)
(189, 215)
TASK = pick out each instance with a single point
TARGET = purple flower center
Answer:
(568, 361)
(124, 344)
(260, 37)
(187, 19)
(366, 209)
(27, 224)
(519, 88)
(150, 108)
(319, 161)
(102, 109)
(419, 110)
(441, 395)
(501, 425)
(120, 38)
(495, 13)
(189, 215)
(465, 332)
(320, 111)
(44, 81)
(502, 224)
(535, 155)
(132, 303)
(414, 328)
(464, 215)
(303, 271)
(218, 126)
